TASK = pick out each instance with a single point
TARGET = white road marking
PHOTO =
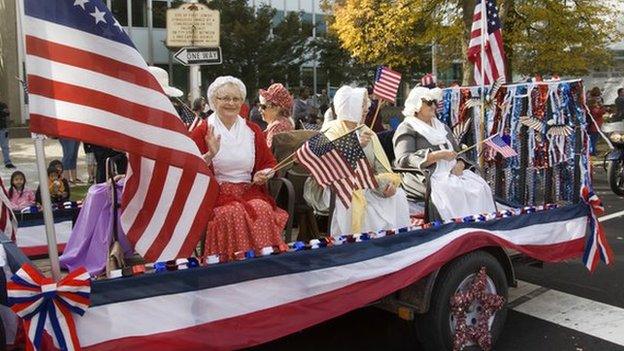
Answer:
(584, 315)
(611, 216)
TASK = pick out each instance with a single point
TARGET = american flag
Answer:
(349, 146)
(386, 83)
(8, 222)
(499, 145)
(88, 82)
(494, 59)
(310, 126)
(324, 162)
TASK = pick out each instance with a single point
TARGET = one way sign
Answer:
(199, 56)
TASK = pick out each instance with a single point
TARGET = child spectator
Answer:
(59, 186)
(19, 196)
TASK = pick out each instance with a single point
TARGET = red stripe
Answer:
(105, 102)
(113, 139)
(201, 220)
(152, 198)
(91, 61)
(180, 198)
(270, 324)
(131, 184)
(34, 251)
(312, 163)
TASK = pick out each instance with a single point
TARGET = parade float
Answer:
(451, 278)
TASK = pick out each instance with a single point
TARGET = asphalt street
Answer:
(562, 307)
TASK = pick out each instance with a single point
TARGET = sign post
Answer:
(194, 26)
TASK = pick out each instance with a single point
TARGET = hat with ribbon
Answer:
(278, 95)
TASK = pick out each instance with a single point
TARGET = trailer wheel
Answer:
(435, 329)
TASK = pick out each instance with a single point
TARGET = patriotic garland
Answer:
(40, 302)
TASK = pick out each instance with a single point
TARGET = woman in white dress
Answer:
(421, 141)
(386, 206)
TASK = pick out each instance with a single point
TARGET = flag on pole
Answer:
(324, 162)
(386, 83)
(88, 82)
(494, 53)
(499, 145)
(8, 222)
(349, 146)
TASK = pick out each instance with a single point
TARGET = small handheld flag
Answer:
(386, 83)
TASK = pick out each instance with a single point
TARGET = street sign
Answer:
(199, 56)
(193, 25)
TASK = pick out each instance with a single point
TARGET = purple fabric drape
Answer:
(92, 235)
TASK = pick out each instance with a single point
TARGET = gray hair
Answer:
(220, 82)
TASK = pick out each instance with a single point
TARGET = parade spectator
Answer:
(386, 206)
(619, 106)
(597, 111)
(423, 142)
(370, 115)
(57, 184)
(245, 216)
(275, 106)
(70, 158)
(101, 155)
(20, 196)
(4, 135)
(301, 107)
(90, 160)
(256, 116)
(323, 100)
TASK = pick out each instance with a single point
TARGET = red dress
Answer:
(245, 216)
(280, 125)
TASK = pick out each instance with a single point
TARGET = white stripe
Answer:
(177, 311)
(134, 206)
(189, 213)
(159, 216)
(611, 216)
(70, 112)
(82, 40)
(586, 316)
(84, 78)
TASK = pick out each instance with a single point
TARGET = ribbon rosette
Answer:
(40, 302)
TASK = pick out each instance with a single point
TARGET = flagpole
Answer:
(482, 94)
(43, 178)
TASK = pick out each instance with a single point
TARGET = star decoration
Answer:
(98, 16)
(462, 301)
(80, 3)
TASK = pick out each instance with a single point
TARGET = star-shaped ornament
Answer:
(98, 16)
(81, 3)
(481, 305)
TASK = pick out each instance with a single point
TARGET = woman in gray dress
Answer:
(423, 142)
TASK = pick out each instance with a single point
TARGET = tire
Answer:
(615, 174)
(434, 327)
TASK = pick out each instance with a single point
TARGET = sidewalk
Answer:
(23, 157)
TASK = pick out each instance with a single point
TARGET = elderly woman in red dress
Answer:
(245, 216)
(275, 106)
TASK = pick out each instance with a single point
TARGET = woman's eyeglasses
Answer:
(265, 106)
(429, 102)
(229, 99)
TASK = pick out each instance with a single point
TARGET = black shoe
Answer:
(9, 165)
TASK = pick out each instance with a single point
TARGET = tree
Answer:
(338, 64)
(562, 36)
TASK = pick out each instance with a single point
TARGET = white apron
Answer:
(453, 196)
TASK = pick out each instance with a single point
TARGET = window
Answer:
(120, 11)
(159, 11)
(139, 13)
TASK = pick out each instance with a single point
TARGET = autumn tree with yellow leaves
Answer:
(566, 37)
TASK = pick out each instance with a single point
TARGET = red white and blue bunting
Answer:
(46, 305)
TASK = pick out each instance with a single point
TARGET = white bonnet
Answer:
(221, 81)
(413, 103)
(349, 103)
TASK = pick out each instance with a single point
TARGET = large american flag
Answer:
(499, 145)
(494, 55)
(386, 83)
(88, 82)
(324, 162)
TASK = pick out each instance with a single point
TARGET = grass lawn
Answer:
(79, 192)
